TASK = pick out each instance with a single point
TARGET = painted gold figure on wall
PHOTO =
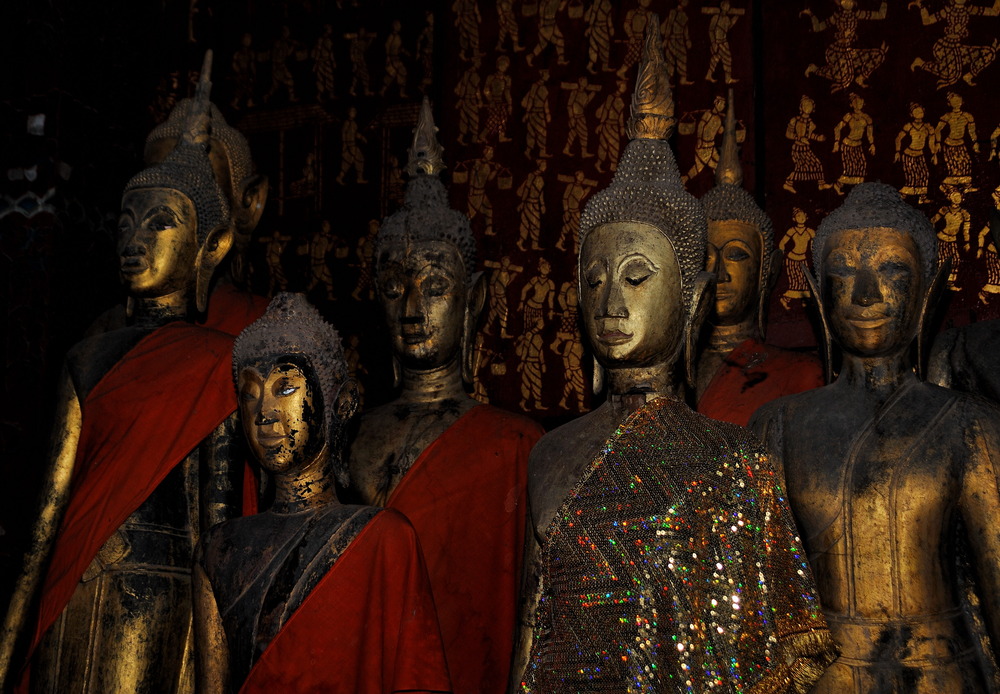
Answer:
(538, 294)
(320, 272)
(529, 348)
(351, 155)
(395, 69)
(636, 20)
(610, 120)
(284, 49)
(467, 21)
(581, 93)
(801, 130)
(845, 61)
(955, 222)
(244, 65)
(578, 187)
(497, 310)
(357, 47)
(425, 51)
(859, 125)
(324, 64)
(796, 244)
(600, 28)
(953, 60)
(677, 42)
(961, 126)
(723, 18)
(536, 116)
(568, 346)
(480, 173)
(922, 140)
(549, 31)
(531, 207)
(707, 132)
(276, 244)
(988, 251)
(496, 96)
(507, 23)
(470, 101)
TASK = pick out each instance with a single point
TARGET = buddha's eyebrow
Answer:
(641, 256)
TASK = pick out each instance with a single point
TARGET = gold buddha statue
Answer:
(139, 455)
(737, 372)
(311, 595)
(232, 306)
(457, 469)
(890, 478)
(660, 554)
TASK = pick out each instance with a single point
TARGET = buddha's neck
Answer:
(306, 489)
(631, 388)
(878, 376)
(433, 385)
(152, 312)
(726, 338)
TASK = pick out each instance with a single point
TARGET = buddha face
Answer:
(422, 287)
(630, 297)
(873, 286)
(157, 242)
(737, 269)
(280, 415)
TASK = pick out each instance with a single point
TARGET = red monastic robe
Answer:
(147, 413)
(230, 309)
(755, 374)
(368, 627)
(465, 496)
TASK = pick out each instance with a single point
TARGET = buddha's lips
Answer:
(614, 337)
(133, 265)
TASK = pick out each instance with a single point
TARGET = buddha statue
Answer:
(311, 595)
(660, 553)
(456, 468)
(139, 460)
(737, 372)
(232, 307)
(889, 477)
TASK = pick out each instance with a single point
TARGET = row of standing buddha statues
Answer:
(193, 536)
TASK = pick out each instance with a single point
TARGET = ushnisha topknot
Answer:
(873, 206)
(232, 140)
(728, 200)
(425, 215)
(187, 168)
(293, 326)
(647, 186)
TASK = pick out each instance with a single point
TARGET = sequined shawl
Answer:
(674, 565)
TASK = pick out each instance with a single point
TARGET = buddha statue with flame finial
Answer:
(457, 469)
(892, 480)
(139, 461)
(312, 595)
(737, 372)
(660, 553)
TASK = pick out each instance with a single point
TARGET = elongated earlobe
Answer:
(825, 326)
(930, 302)
(702, 303)
(212, 251)
(473, 307)
(767, 286)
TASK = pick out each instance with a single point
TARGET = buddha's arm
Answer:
(980, 508)
(54, 498)
(211, 649)
(222, 468)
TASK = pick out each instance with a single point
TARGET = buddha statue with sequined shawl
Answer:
(311, 595)
(139, 462)
(891, 479)
(457, 469)
(737, 372)
(660, 554)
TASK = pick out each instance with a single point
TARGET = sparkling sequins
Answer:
(673, 566)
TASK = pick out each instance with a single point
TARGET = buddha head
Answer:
(425, 258)
(229, 154)
(741, 242)
(876, 258)
(295, 393)
(643, 240)
(175, 227)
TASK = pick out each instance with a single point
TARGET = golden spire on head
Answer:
(198, 126)
(425, 154)
(729, 169)
(652, 101)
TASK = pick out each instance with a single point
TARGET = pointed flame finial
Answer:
(729, 169)
(652, 101)
(197, 129)
(425, 154)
